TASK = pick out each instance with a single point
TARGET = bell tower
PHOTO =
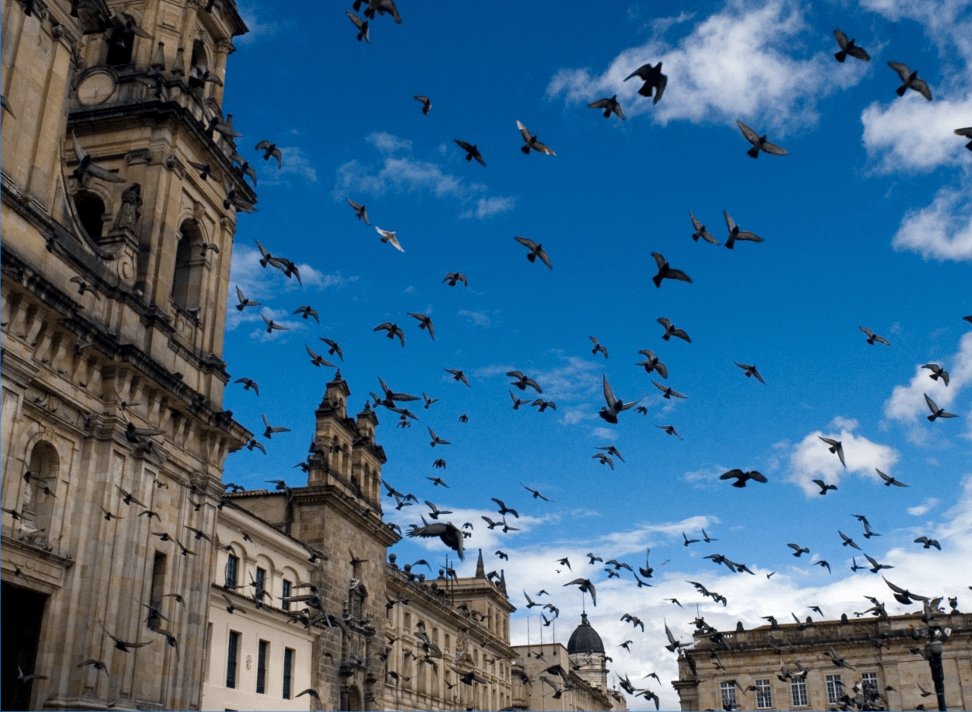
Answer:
(119, 205)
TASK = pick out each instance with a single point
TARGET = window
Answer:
(260, 585)
(835, 688)
(285, 605)
(158, 583)
(798, 688)
(764, 698)
(262, 667)
(189, 264)
(288, 672)
(232, 658)
(231, 571)
(869, 683)
(728, 694)
(91, 210)
(120, 43)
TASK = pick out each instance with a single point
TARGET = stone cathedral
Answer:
(130, 578)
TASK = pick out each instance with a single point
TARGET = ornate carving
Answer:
(130, 210)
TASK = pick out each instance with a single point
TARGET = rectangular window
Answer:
(285, 605)
(231, 571)
(764, 698)
(260, 585)
(835, 688)
(288, 672)
(232, 658)
(869, 683)
(798, 687)
(262, 667)
(158, 588)
(728, 695)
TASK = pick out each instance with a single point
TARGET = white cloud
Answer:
(911, 133)
(734, 64)
(478, 318)
(605, 434)
(907, 402)
(257, 28)
(398, 174)
(942, 230)
(295, 162)
(947, 22)
(923, 508)
(811, 458)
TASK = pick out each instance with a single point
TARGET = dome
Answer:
(584, 639)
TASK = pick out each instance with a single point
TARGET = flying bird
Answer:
(700, 231)
(798, 550)
(824, 487)
(458, 375)
(603, 459)
(86, 165)
(872, 337)
(307, 311)
(504, 510)
(270, 430)
(436, 440)
(736, 234)
(454, 278)
(318, 360)
(967, 133)
(531, 142)
(689, 541)
(390, 238)
(888, 481)
(523, 381)
(614, 406)
(472, 151)
(426, 103)
(535, 493)
(597, 347)
(536, 250)
(836, 447)
(653, 80)
(666, 271)
(651, 363)
(670, 429)
(425, 322)
(393, 331)
(743, 477)
(671, 331)
(848, 47)
(936, 412)
(910, 80)
(608, 105)
(759, 143)
(333, 348)
(448, 533)
(928, 543)
(667, 392)
(585, 586)
(847, 541)
(750, 371)
(937, 372)
(273, 326)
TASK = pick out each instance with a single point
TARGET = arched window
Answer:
(120, 44)
(189, 263)
(41, 490)
(199, 67)
(91, 210)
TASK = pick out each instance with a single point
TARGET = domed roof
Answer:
(584, 639)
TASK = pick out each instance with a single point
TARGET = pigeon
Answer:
(333, 348)
(425, 322)
(736, 234)
(390, 238)
(393, 331)
(597, 347)
(936, 412)
(937, 372)
(836, 447)
(670, 429)
(458, 375)
(824, 487)
(673, 644)
(454, 278)
(910, 80)
(504, 510)
(967, 133)
(653, 80)
(665, 271)
(667, 392)
(381, 7)
(611, 450)
(848, 47)
(523, 381)
(759, 143)
(361, 210)
(86, 165)
(689, 541)
(121, 644)
(750, 371)
(270, 430)
(928, 543)
(671, 331)
(471, 151)
(362, 26)
(798, 550)
(318, 360)
(436, 440)
(536, 250)
(888, 481)
(603, 459)
(426, 103)
(847, 541)
(614, 406)
(743, 477)
(531, 142)
(872, 337)
(586, 586)
(700, 231)
(651, 363)
(307, 311)
(535, 493)
(273, 326)
(448, 533)
(608, 105)
(270, 150)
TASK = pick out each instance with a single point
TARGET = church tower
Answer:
(119, 205)
(587, 654)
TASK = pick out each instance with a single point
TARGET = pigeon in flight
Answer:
(736, 234)
(653, 80)
(390, 238)
(586, 586)
(603, 459)
(458, 375)
(936, 412)
(798, 550)
(651, 363)
(836, 447)
(665, 271)
(928, 543)
(910, 80)
(743, 477)
(614, 406)
(270, 150)
(609, 105)
(848, 47)
(318, 360)
(333, 348)
(967, 133)
(454, 278)
(426, 103)
(667, 392)
(872, 337)
(937, 372)
(700, 231)
(536, 250)
(448, 533)
(523, 381)
(671, 331)
(888, 481)
(689, 541)
(392, 329)
(270, 430)
(847, 541)
(436, 440)
(425, 322)
(750, 371)
(531, 141)
(759, 143)
(824, 487)
(248, 384)
(244, 302)
(597, 347)
(307, 311)
(86, 166)
(670, 429)
(360, 210)
(471, 151)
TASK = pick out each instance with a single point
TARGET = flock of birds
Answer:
(654, 83)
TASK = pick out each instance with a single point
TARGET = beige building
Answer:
(745, 671)
(111, 385)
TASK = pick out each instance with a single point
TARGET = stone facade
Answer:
(745, 671)
(531, 693)
(112, 332)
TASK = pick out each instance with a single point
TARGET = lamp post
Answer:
(933, 649)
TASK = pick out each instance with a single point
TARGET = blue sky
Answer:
(867, 222)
